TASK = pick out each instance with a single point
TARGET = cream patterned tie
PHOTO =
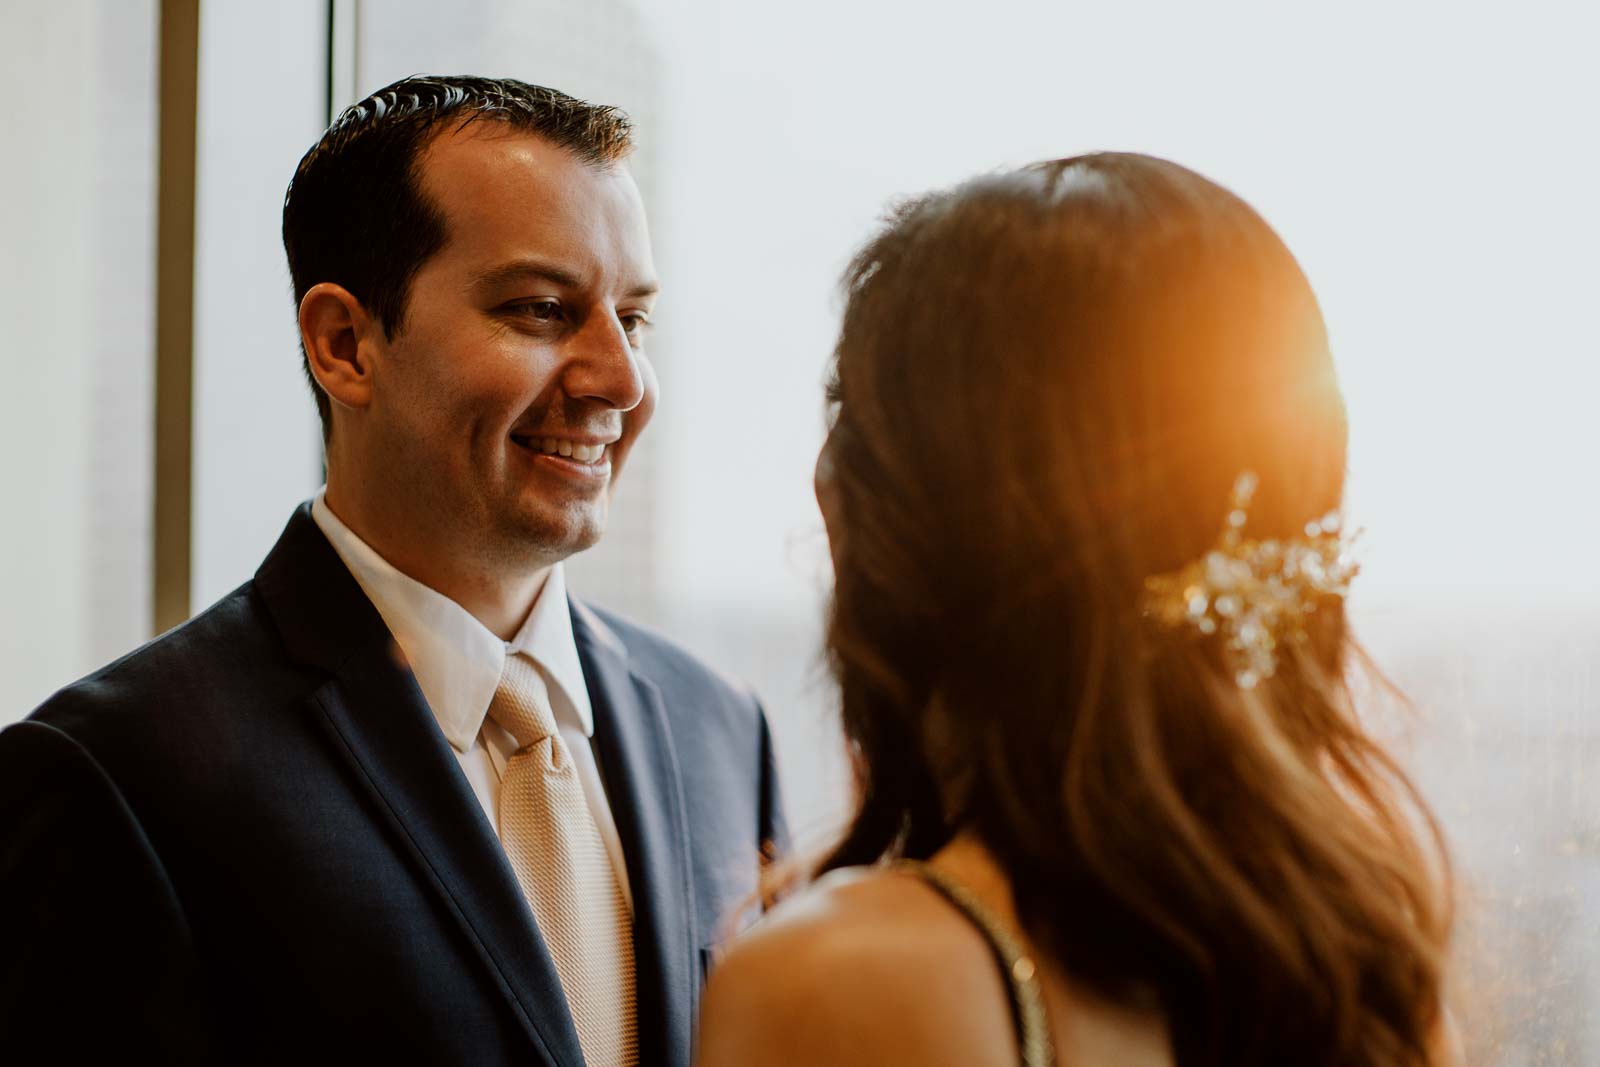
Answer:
(561, 861)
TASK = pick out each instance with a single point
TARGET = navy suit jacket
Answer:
(249, 842)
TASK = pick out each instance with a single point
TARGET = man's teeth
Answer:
(555, 446)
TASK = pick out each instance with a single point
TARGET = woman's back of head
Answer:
(1049, 383)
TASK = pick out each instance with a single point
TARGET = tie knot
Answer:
(522, 702)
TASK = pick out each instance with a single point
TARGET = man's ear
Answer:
(339, 338)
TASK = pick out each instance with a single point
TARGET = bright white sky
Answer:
(1435, 167)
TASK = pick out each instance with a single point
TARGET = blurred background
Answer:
(1434, 166)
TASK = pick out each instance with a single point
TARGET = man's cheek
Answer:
(619, 456)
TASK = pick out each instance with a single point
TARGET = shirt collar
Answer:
(456, 659)
(547, 637)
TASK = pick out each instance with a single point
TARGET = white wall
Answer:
(44, 423)
(257, 449)
(1432, 163)
(76, 224)
(121, 293)
(77, 217)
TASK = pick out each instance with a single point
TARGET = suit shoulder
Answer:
(663, 659)
(176, 669)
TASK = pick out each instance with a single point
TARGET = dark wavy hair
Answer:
(1047, 382)
(355, 214)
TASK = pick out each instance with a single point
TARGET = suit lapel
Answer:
(382, 726)
(640, 769)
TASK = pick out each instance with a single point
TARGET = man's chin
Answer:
(546, 539)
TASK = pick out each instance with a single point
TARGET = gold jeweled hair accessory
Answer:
(1255, 594)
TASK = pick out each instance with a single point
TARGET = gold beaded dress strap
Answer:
(1022, 976)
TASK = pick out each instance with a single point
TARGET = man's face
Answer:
(517, 383)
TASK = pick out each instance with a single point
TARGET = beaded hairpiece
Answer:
(1254, 594)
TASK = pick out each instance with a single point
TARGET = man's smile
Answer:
(589, 460)
(579, 451)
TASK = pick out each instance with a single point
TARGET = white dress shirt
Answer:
(458, 661)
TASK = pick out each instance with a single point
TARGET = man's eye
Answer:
(634, 322)
(542, 310)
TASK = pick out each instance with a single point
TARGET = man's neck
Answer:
(499, 600)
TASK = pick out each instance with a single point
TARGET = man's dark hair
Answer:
(355, 214)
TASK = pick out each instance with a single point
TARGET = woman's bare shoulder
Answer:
(864, 967)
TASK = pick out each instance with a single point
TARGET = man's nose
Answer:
(604, 365)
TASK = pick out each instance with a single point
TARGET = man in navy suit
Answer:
(305, 825)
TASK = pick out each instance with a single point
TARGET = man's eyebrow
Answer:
(520, 269)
